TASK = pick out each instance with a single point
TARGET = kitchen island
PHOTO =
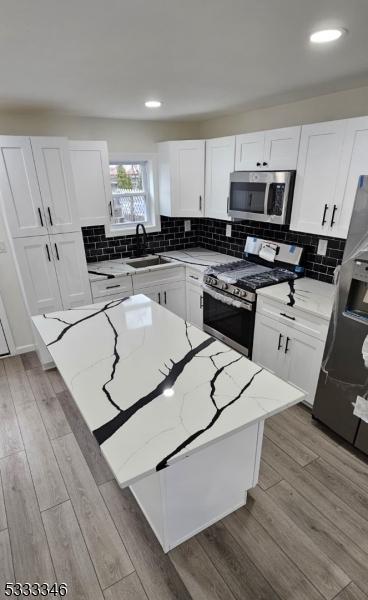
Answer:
(178, 415)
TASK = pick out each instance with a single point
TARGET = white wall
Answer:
(340, 105)
(121, 135)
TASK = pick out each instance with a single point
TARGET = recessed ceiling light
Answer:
(153, 103)
(326, 35)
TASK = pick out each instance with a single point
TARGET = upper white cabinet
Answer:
(19, 188)
(54, 172)
(220, 162)
(273, 150)
(181, 178)
(37, 186)
(90, 166)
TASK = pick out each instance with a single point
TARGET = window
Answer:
(133, 197)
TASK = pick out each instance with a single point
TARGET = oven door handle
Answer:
(226, 299)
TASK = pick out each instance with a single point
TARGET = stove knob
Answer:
(236, 292)
(224, 286)
(242, 293)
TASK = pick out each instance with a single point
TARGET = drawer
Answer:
(194, 276)
(293, 317)
(110, 287)
(158, 277)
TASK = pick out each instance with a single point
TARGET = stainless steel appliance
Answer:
(261, 195)
(229, 296)
(343, 378)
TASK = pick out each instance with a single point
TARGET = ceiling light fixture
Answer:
(153, 103)
(324, 36)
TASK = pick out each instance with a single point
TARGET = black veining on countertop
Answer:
(291, 293)
(107, 275)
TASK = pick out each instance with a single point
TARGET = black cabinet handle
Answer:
(159, 298)
(165, 297)
(324, 214)
(200, 203)
(200, 301)
(110, 206)
(50, 217)
(333, 215)
(109, 287)
(57, 252)
(287, 344)
(280, 341)
(265, 164)
(287, 316)
(40, 215)
(48, 252)
(258, 164)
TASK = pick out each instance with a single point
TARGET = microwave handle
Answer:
(267, 191)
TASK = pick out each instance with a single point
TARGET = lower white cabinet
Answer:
(170, 295)
(195, 304)
(288, 353)
(53, 272)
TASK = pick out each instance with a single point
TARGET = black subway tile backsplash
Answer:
(210, 233)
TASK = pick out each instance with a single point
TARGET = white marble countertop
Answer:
(197, 258)
(151, 387)
(312, 296)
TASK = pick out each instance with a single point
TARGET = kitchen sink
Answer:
(142, 263)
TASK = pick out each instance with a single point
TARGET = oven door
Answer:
(229, 320)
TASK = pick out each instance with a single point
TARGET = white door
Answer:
(71, 269)
(318, 170)
(54, 172)
(281, 149)
(187, 178)
(195, 304)
(154, 292)
(269, 345)
(304, 355)
(36, 264)
(90, 166)
(249, 151)
(173, 298)
(220, 162)
(19, 188)
(354, 164)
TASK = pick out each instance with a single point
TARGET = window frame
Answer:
(153, 209)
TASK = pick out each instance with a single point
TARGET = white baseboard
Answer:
(24, 349)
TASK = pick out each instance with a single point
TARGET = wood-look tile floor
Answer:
(302, 536)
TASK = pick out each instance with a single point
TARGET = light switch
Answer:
(322, 247)
(228, 230)
(2, 248)
(187, 225)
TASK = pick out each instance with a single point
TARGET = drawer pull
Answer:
(194, 277)
(287, 316)
(109, 287)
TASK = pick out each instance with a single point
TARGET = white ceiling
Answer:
(201, 57)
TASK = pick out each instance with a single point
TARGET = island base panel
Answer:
(202, 488)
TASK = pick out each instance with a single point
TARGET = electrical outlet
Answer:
(228, 230)
(322, 247)
(2, 248)
(187, 225)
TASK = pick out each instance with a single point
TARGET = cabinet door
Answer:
(281, 149)
(4, 348)
(36, 264)
(303, 361)
(220, 158)
(269, 345)
(71, 268)
(174, 298)
(19, 188)
(354, 164)
(155, 293)
(318, 170)
(54, 172)
(249, 151)
(187, 178)
(90, 166)
(195, 304)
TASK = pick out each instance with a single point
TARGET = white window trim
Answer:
(152, 179)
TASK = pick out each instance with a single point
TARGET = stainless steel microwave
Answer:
(261, 195)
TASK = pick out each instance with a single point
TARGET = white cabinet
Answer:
(54, 172)
(53, 272)
(181, 178)
(318, 190)
(71, 269)
(276, 149)
(37, 186)
(195, 304)
(220, 162)
(288, 353)
(6, 338)
(171, 295)
(19, 188)
(37, 267)
(90, 166)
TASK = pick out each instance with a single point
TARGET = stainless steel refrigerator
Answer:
(343, 381)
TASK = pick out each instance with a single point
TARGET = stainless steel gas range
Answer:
(229, 298)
